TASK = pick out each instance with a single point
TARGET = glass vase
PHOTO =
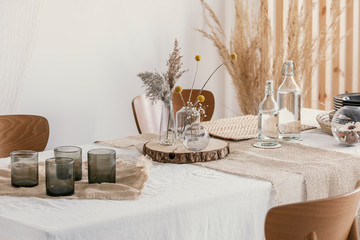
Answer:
(185, 117)
(345, 125)
(196, 137)
(167, 135)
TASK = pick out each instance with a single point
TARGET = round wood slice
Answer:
(217, 149)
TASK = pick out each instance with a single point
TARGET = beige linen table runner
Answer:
(136, 141)
(324, 173)
(321, 173)
(130, 180)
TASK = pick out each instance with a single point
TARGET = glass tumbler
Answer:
(24, 168)
(101, 165)
(59, 176)
(74, 153)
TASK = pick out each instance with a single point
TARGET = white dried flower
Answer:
(350, 127)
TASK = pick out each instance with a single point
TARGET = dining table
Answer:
(178, 201)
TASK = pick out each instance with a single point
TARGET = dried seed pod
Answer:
(352, 137)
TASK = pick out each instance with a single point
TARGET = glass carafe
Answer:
(289, 102)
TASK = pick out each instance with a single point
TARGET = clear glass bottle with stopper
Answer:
(289, 102)
(268, 120)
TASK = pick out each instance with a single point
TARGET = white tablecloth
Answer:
(178, 202)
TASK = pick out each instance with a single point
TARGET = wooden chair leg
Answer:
(311, 236)
(353, 234)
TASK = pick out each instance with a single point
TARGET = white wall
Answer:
(87, 53)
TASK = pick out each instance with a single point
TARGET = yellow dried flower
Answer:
(201, 98)
(233, 56)
(178, 89)
(198, 58)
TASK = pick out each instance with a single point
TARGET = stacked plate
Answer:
(346, 99)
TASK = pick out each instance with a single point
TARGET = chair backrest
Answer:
(330, 218)
(208, 104)
(23, 132)
(147, 115)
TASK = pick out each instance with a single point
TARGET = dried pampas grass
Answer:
(252, 41)
(159, 86)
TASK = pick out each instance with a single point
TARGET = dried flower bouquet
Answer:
(160, 87)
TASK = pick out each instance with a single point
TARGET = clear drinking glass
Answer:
(101, 165)
(59, 176)
(74, 153)
(289, 102)
(24, 168)
(268, 119)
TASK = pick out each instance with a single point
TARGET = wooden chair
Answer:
(325, 219)
(147, 115)
(23, 132)
(208, 104)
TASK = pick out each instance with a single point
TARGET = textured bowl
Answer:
(324, 122)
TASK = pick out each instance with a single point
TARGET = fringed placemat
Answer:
(130, 180)
(237, 128)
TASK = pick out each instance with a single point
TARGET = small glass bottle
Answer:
(185, 117)
(268, 119)
(289, 102)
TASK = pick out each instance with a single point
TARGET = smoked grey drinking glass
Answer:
(74, 153)
(59, 176)
(24, 168)
(101, 165)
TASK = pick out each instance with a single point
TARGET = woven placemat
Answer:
(237, 128)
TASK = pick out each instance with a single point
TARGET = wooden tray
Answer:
(217, 149)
